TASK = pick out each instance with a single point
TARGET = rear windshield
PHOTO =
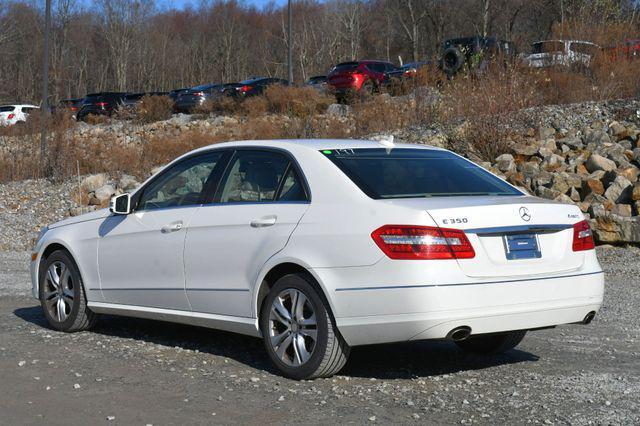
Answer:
(6, 108)
(415, 173)
(345, 66)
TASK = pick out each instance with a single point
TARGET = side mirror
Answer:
(120, 204)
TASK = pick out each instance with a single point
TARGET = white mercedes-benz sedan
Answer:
(320, 245)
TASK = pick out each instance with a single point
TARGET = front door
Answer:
(140, 255)
(259, 203)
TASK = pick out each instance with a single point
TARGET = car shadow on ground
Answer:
(390, 361)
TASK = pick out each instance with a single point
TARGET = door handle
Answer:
(264, 221)
(172, 227)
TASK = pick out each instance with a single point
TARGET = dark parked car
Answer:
(359, 77)
(318, 82)
(176, 92)
(252, 87)
(474, 53)
(198, 96)
(73, 105)
(131, 101)
(104, 103)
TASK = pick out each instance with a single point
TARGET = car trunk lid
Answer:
(511, 236)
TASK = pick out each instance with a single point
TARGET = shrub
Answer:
(154, 108)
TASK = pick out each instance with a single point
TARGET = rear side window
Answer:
(415, 173)
(254, 177)
(376, 67)
(346, 66)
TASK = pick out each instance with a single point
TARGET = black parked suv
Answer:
(252, 87)
(104, 103)
(474, 53)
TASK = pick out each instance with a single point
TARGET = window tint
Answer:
(377, 67)
(6, 109)
(345, 66)
(548, 47)
(292, 188)
(416, 173)
(181, 185)
(586, 48)
(254, 176)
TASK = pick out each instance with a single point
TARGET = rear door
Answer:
(259, 202)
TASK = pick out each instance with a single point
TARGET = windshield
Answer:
(416, 173)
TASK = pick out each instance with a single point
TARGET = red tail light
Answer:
(582, 237)
(422, 242)
(74, 108)
(101, 104)
(245, 89)
(11, 116)
(198, 93)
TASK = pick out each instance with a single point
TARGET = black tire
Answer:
(367, 90)
(330, 351)
(452, 60)
(77, 316)
(492, 344)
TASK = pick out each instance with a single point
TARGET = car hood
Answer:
(94, 215)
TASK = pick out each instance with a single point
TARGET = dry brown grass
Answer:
(154, 108)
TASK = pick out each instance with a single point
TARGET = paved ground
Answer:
(130, 371)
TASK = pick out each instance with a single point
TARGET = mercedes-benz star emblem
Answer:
(524, 214)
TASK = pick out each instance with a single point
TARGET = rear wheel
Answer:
(492, 344)
(299, 333)
(62, 295)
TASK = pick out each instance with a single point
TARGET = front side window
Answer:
(182, 185)
(255, 176)
(416, 173)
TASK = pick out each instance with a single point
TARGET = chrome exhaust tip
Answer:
(459, 333)
(589, 317)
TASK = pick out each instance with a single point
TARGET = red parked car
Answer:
(358, 77)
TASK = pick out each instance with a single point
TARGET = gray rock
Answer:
(526, 150)
(93, 182)
(619, 191)
(339, 110)
(597, 137)
(104, 193)
(571, 142)
(597, 162)
(505, 163)
(128, 183)
(546, 132)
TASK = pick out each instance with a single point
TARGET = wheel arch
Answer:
(47, 249)
(275, 270)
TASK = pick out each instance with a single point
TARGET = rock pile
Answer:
(595, 167)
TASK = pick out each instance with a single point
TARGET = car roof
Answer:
(315, 144)
(19, 106)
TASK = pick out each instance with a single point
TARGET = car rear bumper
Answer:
(368, 315)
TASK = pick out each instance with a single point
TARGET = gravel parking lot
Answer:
(130, 371)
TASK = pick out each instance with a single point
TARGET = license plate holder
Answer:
(521, 246)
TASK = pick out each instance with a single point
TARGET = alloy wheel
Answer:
(59, 291)
(293, 328)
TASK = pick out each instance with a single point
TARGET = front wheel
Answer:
(492, 344)
(299, 333)
(61, 294)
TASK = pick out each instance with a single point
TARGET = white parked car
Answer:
(566, 53)
(13, 114)
(321, 245)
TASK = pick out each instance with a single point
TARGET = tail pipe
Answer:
(589, 317)
(459, 333)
